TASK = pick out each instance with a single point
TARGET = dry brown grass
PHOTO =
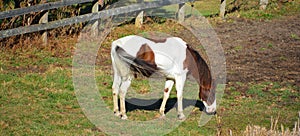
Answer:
(275, 130)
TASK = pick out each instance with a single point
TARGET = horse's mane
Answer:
(204, 78)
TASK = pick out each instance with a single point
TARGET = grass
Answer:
(41, 101)
(295, 36)
(275, 9)
(274, 130)
(37, 98)
(207, 7)
(249, 9)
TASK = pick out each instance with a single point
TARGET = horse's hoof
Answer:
(124, 117)
(181, 117)
(117, 113)
(162, 116)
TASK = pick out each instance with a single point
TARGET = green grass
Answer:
(254, 107)
(42, 101)
(295, 36)
(249, 9)
(37, 96)
(207, 7)
(275, 9)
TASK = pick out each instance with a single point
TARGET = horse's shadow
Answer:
(154, 104)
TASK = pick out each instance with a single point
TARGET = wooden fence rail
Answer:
(81, 18)
(40, 7)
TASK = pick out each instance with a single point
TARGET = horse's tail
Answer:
(134, 63)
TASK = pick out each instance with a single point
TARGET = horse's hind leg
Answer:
(126, 81)
(180, 80)
(168, 87)
(115, 91)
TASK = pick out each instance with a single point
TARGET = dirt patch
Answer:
(259, 51)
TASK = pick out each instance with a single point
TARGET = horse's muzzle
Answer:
(210, 111)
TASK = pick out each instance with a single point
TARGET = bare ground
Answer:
(262, 51)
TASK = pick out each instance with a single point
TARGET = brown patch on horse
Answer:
(157, 40)
(199, 69)
(146, 59)
(146, 53)
(143, 63)
(166, 90)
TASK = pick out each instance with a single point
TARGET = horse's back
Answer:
(169, 53)
(172, 47)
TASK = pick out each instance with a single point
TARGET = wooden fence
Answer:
(45, 25)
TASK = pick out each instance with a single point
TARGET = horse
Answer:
(171, 57)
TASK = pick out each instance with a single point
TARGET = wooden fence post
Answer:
(139, 20)
(181, 14)
(263, 4)
(140, 17)
(44, 19)
(222, 8)
(95, 28)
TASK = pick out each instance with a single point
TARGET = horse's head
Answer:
(199, 69)
(207, 95)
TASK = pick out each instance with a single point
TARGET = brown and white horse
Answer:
(171, 57)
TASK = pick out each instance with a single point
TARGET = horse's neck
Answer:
(205, 79)
(198, 68)
(202, 74)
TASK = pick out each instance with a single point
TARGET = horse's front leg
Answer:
(168, 87)
(180, 80)
(123, 90)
